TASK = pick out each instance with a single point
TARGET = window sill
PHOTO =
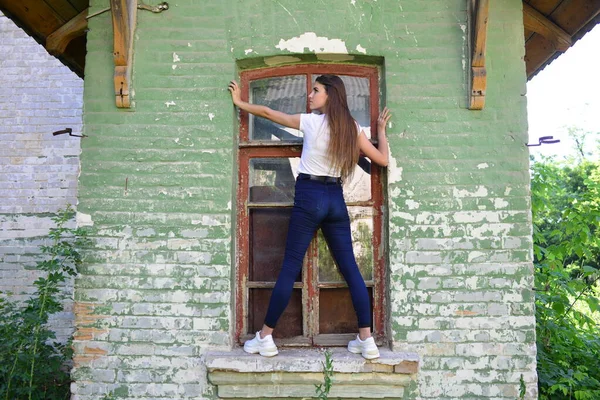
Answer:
(295, 372)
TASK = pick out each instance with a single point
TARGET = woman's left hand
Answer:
(382, 120)
(236, 93)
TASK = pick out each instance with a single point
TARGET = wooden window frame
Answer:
(248, 149)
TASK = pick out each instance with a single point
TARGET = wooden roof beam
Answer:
(57, 41)
(535, 21)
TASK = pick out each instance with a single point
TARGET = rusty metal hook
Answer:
(544, 140)
(69, 131)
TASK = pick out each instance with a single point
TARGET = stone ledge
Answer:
(295, 372)
(310, 360)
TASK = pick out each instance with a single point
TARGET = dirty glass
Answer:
(268, 232)
(286, 94)
(336, 313)
(289, 324)
(361, 227)
(272, 179)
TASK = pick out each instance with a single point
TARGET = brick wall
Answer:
(158, 182)
(38, 95)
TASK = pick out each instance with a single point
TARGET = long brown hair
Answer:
(343, 131)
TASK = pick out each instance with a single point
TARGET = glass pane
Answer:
(336, 312)
(361, 227)
(286, 94)
(358, 188)
(268, 232)
(273, 179)
(290, 322)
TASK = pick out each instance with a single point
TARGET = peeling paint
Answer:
(411, 204)
(480, 192)
(169, 103)
(83, 219)
(248, 51)
(314, 43)
(174, 66)
(361, 49)
(482, 166)
(176, 58)
(211, 116)
(394, 172)
(500, 203)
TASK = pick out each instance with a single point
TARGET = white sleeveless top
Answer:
(314, 159)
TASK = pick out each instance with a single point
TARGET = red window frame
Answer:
(248, 149)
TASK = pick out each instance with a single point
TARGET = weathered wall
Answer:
(38, 95)
(157, 185)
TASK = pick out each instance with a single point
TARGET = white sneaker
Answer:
(367, 348)
(265, 347)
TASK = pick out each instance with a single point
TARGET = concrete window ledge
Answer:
(295, 372)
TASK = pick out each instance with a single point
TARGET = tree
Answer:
(566, 218)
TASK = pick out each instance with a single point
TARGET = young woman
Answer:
(332, 144)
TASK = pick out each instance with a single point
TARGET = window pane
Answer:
(268, 232)
(290, 322)
(286, 94)
(361, 227)
(273, 179)
(336, 312)
(359, 187)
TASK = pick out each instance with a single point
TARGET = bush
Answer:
(32, 365)
(566, 218)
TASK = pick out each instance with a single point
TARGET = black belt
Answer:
(325, 179)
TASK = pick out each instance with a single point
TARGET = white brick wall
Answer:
(38, 171)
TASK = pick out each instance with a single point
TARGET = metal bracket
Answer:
(69, 131)
(544, 140)
(155, 9)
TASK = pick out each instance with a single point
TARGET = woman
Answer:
(331, 147)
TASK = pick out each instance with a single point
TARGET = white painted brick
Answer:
(42, 96)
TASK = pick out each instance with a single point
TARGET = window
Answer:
(320, 311)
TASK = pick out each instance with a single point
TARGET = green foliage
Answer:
(566, 218)
(522, 388)
(32, 366)
(323, 389)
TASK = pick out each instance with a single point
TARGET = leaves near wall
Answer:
(32, 364)
(566, 219)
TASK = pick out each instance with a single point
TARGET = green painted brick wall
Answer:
(158, 183)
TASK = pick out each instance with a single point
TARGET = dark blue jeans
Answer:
(319, 204)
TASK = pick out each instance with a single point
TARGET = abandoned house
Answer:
(187, 200)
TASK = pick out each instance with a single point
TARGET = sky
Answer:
(566, 94)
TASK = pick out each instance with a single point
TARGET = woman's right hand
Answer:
(236, 93)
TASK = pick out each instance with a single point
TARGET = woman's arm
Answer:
(289, 120)
(379, 155)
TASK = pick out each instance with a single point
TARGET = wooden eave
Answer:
(551, 27)
(551, 24)
(42, 18)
